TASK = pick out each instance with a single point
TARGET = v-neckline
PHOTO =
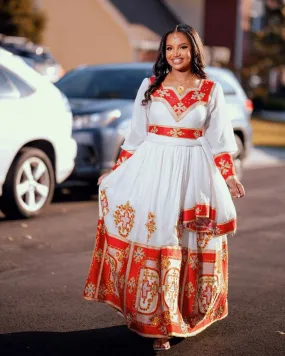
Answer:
(186, 91)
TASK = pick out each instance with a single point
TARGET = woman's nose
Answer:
(176, 52)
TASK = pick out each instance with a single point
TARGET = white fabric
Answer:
(167, 175)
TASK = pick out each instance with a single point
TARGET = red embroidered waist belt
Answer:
(176, 132)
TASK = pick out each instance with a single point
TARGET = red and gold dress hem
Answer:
(161, 291)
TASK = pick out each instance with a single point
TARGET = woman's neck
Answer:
(181, 76)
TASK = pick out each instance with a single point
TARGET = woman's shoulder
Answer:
(212, 88)
(144, 85)
(151, 79)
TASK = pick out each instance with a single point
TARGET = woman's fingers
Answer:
(241, 190)
(102, 177)
(237, 190)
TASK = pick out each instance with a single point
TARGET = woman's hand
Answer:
(236, 188)
(102, 177)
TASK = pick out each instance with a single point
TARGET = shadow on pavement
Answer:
(116, 340)
(74, 195)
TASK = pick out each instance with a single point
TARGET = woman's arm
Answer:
(220, 135)
(138, 128)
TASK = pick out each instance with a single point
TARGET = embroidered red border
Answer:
(128, 276)
(225, 164)
(124, 155)
(177, 132)
(202, 218)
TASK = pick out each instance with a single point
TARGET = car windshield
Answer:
(103, 84)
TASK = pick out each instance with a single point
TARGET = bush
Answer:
(19, 18)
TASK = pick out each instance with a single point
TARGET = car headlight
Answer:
(95, 120)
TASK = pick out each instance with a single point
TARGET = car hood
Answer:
(90, 106)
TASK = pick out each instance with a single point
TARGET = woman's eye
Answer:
(184, 47)
(168, 48)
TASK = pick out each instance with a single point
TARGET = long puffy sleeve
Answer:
(137, 131)
(219, 133)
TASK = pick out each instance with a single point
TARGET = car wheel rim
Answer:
(32, 184)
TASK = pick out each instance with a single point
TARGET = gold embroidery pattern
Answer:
(176, 133)
(148, 292)
(130, 319)
(124, 218)
(198, 210)
(90, 290)
(217, 313)
(139, 254)
(154, 130)
(104, 202)
(218, 231)
(184, 327)
(207, 292)
(120, 256)
(102, 291)
(151, 226)
(132, 284)
(156, 320)
(179, 108)
(197, 95)
(163, 92)
(197, 134)
(189, 289)
(171, 290)
(165, 263)
(98, 254)
(193, 261)
(163, 329)
(224, 166)
(122, 282)
(203, 239)
(224, 252)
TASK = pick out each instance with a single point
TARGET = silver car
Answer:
(102, 98)
(240, 108)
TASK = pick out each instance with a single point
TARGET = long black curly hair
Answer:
(161, 67)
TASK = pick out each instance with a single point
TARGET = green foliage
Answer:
(20, 18)
(267, 51)
(269, 44)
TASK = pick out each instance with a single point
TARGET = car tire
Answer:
(29, 185)
(238, 157)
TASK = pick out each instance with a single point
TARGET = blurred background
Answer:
(69, 73)
(96, 52)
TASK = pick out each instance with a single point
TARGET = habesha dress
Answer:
(165, 211)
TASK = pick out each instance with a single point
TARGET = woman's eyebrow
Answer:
(184, 43)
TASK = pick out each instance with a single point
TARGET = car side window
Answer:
(23, 87)
(7, 91)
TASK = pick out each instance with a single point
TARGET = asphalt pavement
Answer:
(44, 263)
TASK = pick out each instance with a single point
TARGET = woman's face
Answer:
(178, 51)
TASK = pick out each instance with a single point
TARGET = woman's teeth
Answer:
(177, 61)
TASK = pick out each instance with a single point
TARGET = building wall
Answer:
(220, 24)
(190, 12)
(84, 32)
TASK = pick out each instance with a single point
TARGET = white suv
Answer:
(36, 147)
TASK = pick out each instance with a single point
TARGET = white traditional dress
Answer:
(160, 254)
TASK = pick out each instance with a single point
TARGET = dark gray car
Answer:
(101, 99)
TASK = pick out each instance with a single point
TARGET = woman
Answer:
(165, 211)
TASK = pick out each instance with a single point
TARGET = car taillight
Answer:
(249, 105)
(61, 72)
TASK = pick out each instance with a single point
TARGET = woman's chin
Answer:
(181, 67)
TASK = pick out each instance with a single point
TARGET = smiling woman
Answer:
(165, 209)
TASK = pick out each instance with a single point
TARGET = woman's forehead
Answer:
(176, 38)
